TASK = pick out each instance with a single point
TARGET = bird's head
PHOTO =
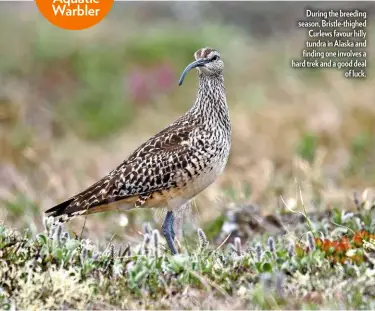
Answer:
(207, 61)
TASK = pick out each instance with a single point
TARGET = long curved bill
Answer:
(197, 63)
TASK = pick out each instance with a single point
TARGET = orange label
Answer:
(74, 14)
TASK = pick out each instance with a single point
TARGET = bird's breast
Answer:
(203, 178)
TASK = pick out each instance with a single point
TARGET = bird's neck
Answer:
(211, 103)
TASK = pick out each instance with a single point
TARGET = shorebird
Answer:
(173, 166)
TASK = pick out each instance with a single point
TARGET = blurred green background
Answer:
(74, 104)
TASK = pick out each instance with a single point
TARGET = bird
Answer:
(174, 165)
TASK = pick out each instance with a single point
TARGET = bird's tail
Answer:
(61, 211)
(85, 202)
(82, 205)
(69, 209)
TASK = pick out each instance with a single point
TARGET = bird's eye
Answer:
(215, 57)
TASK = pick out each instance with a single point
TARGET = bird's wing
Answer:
(156, 165)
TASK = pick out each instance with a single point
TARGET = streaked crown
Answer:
(207, 53)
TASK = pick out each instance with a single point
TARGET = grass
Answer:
(333, 267)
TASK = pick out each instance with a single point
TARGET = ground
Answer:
(331, 265)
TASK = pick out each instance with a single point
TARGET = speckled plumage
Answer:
(174, 165)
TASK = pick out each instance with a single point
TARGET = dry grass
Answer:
(316, 128)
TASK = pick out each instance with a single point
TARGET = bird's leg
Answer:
(172, 231)
(168, 231)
